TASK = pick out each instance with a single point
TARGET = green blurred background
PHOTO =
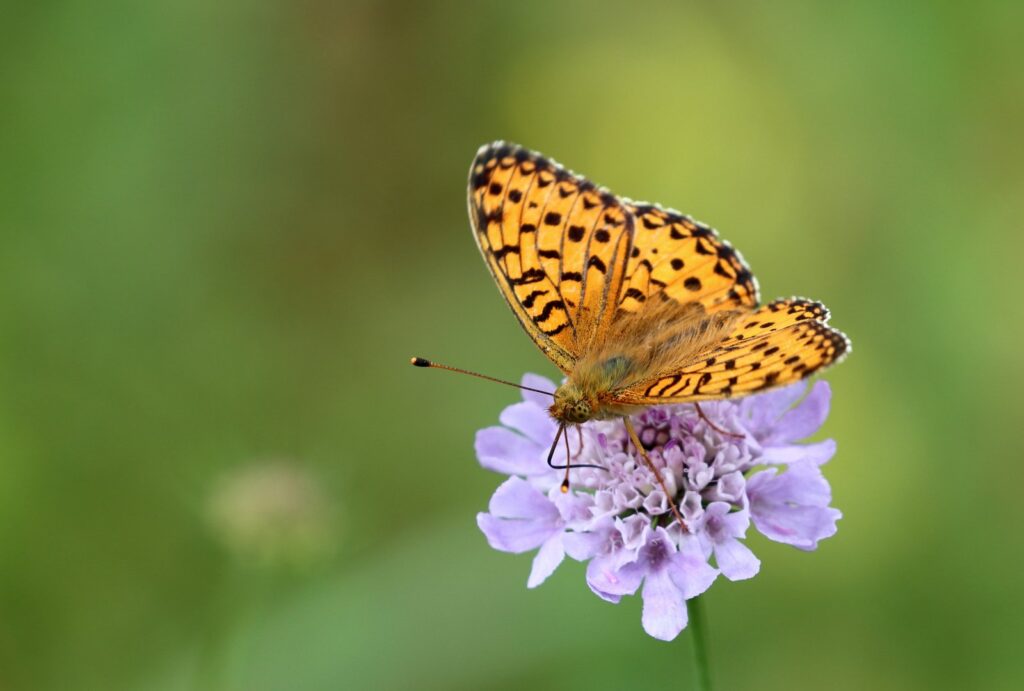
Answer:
(226, 226)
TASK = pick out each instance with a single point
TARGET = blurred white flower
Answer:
(272, 512)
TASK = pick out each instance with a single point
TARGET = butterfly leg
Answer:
(657, 475)
(713, 426)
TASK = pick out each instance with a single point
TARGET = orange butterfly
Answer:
(636, 304)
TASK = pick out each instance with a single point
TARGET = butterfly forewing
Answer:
(555, 243)
(677, 257)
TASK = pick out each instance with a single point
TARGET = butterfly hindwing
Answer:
(780, 343)
(555, 243)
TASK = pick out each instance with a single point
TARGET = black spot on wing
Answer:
(532, 297)
(529, 276)
(545, 313)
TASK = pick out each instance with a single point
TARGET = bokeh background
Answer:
(226, 226)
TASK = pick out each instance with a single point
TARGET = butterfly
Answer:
(636, 304)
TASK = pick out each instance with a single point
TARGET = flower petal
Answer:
(547, 560)
(806, 418)
(721, 523)
(764, 410)
(535, 381)
(606, 577)
(517, 498)
(818, 454)
(533, 421)
(584, 545)
(664, 613)
(792, 507)
(692, 507)
(800, 526)
(573, 507)
(690, 570)
(730, 488)
(736, 561)
(503, 451)
(513, 535)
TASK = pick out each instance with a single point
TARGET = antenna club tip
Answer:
(565, 487)
(419, 362)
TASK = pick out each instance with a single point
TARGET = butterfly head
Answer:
(573, 406)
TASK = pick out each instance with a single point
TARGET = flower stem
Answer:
(700, 652)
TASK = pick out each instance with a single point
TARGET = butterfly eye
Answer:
(581, 411)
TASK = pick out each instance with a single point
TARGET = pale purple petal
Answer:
(610, 579)
(520, 518)
(692, 507)
(584, 545)
(792, 507)
(574, 507)
(634, 531)
(534, 422)
(800, 526)
(690, 570)
(764, 410)
(503, 451)
(610, 574)
(729, 460)
(664, 613)
(818, 454)
(547, 560)
(806, 418)
(512, 535)
(735, 560)
(731, 488)
(656, 503)
(535, 381)
(721, 523)
(517, 498)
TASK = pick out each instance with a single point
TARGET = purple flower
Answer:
(616, 516)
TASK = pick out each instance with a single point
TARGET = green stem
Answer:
(700, 651)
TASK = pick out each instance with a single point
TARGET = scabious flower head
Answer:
(616, 516)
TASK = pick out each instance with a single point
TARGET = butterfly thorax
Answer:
(588, 394)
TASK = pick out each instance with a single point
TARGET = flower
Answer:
(272, 513)
(739, 465)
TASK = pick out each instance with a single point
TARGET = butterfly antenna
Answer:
(423, 362)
